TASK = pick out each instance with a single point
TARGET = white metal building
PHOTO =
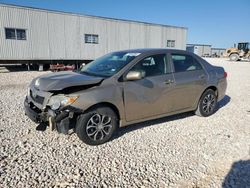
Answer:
(202, 50)
(31, 34)
(218, 52)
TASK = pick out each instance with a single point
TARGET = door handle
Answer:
(202, 76)
(169, 82)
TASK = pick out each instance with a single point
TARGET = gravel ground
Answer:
(178, 151)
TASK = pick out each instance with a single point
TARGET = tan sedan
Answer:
(123, 88)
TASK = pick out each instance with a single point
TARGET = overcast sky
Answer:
(218, 22)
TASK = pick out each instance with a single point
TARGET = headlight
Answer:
(28, 91)
(37, 83)
(58, 101)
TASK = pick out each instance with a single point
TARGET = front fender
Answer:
(108, 93)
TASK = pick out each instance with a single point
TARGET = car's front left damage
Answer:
(49, 99)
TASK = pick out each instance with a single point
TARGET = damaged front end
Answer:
(50, 98)
(51, 108)
(62, 119)
(62, 116)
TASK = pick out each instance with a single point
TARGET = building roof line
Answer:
(86, 15)
(199, 45)
(218, 48)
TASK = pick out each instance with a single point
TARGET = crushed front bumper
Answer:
(32, 112)
(62, 120)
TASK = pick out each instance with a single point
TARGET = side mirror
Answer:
(134, 75)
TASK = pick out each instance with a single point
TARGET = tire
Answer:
(97, 126)
(234, 57)
(207, 104)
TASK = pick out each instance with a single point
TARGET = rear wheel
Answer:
(97, 126)
(207, 103)
(234, 57)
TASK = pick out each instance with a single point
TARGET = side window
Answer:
(153, 65)
(184, 63)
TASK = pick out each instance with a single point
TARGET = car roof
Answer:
(146, 50)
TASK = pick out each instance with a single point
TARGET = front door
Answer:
(151, 95)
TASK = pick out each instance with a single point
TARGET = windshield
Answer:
(109, 64)
(243, 46)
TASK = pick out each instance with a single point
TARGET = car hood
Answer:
(61, 80)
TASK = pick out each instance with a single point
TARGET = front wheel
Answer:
(97, 126)
(207, 103)
(234, 57)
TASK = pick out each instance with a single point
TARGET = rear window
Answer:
(183, 63)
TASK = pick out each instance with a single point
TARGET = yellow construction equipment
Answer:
(241, 52)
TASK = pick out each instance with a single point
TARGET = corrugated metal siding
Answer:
(12, 48)
(71, 37)
(207, 50)
(123, 35)
(200, 50)
(181, 38)
(39, 35)
(100, 28)
(154, 36)
(137, 35)
(54, 35)
(4, 47)
(87, 27)
(218, 52)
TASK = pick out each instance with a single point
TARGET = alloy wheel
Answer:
(208, 103)
(98, 127)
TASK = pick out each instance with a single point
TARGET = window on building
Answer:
(20, 34)
(184, 63)
(171, 43)
(10, 33)
(15, 34)
(92, 39)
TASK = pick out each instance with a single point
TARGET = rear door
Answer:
(190, 80)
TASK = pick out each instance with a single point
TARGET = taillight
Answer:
(225, 74)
